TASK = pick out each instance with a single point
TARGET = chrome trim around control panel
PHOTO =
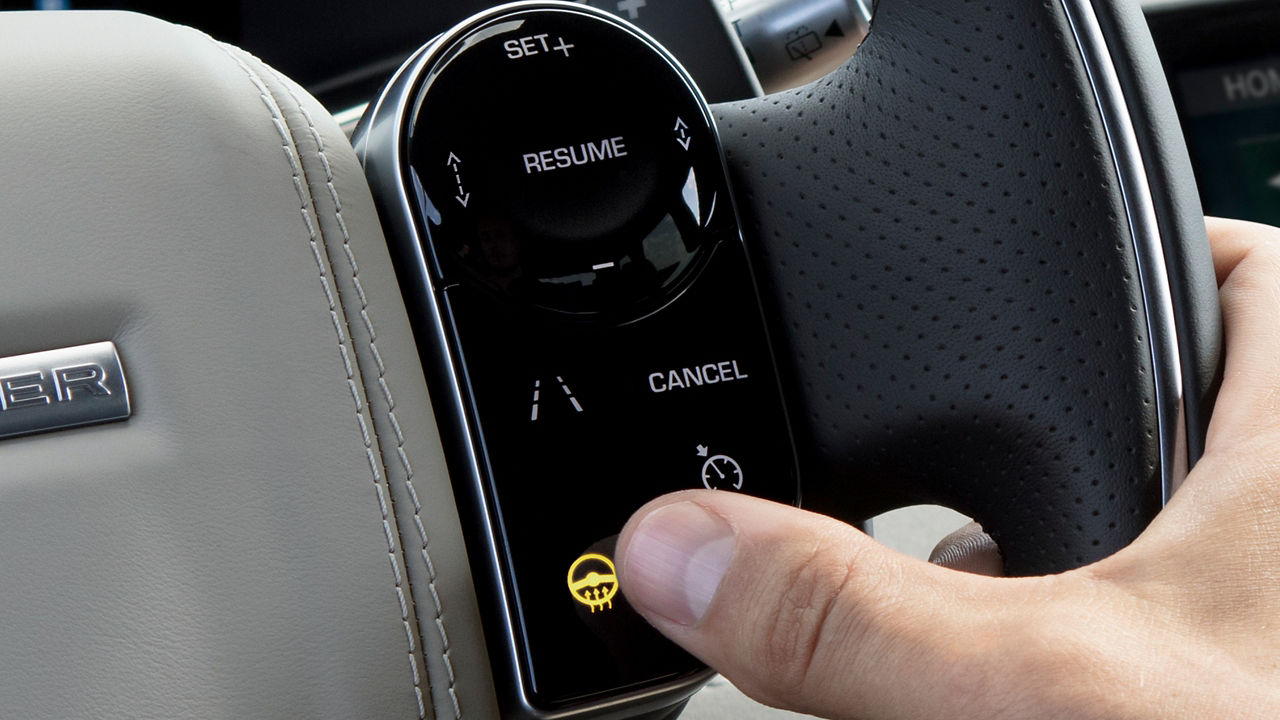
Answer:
(378, 140)
(1148, 245)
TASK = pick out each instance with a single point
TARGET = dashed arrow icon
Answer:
(463, 197)
(684, 138)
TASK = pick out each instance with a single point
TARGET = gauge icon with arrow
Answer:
(720, 471)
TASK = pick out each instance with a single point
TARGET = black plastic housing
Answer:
(560, 214)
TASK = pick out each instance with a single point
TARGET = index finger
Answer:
(1231, 240)
(1246, 258)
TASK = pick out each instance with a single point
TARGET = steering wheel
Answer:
(980, 256)
(990, 273)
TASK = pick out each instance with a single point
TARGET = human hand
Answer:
(804, 612)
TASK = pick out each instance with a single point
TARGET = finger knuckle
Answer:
(809, 603)
(1258, 273)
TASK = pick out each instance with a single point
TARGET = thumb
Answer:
(802, 611)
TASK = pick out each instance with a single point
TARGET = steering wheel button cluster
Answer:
(594, 304)
(565, 164)
(584, 422)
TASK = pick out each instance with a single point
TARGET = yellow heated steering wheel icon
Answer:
(593, 581)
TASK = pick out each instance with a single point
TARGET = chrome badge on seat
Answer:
(63, 388)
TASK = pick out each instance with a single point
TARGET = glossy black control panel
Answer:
(567, 166)
(580, 427)
(585, 287)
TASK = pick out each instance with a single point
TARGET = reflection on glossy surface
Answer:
(571, 179)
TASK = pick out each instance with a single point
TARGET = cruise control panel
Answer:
(553, 187)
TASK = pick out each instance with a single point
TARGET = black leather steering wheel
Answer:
(984, 251)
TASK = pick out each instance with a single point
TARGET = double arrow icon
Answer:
(684, 138)
(463, 196)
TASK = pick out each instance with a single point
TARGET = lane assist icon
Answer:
(720, 471)
(593, 581)
(537, 397)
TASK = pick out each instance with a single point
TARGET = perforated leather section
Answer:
(943, 246)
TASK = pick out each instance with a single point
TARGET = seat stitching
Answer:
(390, 414)
(277, 120)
